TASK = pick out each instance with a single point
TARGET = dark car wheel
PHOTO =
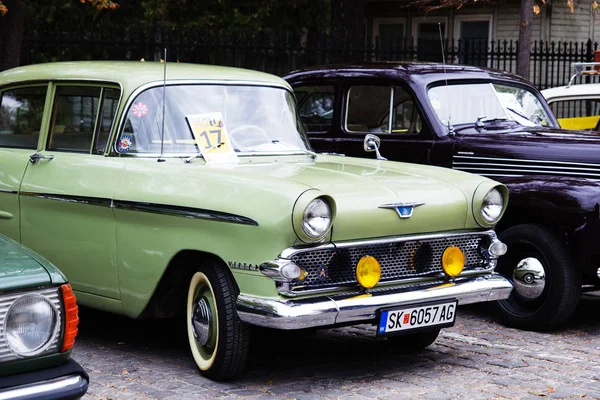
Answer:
(218, 339)
(414, 341)
(546, 286)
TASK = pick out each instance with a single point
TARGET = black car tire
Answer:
(414, 341)
(562, 289)
(222, 352)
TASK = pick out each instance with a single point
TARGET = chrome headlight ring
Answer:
(317, 218)
(492, 206)
(31, 324)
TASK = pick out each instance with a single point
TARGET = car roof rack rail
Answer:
(580, 70)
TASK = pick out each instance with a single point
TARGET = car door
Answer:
(21, 113)
(67, 189)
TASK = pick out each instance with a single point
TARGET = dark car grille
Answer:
(399, 260)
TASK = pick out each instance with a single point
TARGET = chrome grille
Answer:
(398, 260)
(6, 301)
(494, 167)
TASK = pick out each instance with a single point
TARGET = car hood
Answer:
(361, 187)
(21, 268)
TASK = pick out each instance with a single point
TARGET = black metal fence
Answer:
(550, 61)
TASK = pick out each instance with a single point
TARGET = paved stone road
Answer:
(475, 359)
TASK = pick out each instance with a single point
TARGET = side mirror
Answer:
(372, 143)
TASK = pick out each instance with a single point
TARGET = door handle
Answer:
(34, 158)
(5, 215)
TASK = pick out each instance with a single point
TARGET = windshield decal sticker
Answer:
(139, 109)
(125, 144)
(211, 137)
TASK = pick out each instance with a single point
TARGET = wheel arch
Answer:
(171, 291)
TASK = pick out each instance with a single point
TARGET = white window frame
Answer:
(459, 19)
(416, 21)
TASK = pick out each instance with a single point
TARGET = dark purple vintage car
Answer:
(486, 122)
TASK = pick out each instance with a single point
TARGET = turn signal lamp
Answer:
(368, 272)
(71, 317)
(453, 261)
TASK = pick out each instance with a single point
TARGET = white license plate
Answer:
(441, 314)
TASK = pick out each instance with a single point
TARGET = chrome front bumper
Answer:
(66, 387)
(325, 311)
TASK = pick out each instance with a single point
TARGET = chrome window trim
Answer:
(292, 251)
(178, 82)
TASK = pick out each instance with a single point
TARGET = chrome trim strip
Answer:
(9, 191)
(525, 160)
(326, 310)
(95, 201)
(62, 385)
(180, 211)
(525, 165)
(291, 251)
(188, 212)
(484, 170)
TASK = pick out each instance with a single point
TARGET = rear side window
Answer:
(315, 107)
(577, 114)
(82, 118)
(21, 112)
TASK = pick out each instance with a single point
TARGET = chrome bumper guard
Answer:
(325, 311)
(66, 387)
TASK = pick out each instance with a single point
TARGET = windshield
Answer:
(251, 119)
(468, 103)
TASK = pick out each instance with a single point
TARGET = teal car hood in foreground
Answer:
(20, 268)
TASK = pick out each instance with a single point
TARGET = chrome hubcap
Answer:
(202, 321)
(529, 278)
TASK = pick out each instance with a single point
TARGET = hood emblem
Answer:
(404, 210)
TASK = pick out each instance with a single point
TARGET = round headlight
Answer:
(492, 206)
(316, 219)
(30, 325)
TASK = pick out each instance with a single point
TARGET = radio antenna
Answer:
(450, 127)
(164, 95)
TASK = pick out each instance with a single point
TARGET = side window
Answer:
(577, 114)
(369, 110)
(315, 107)
(21, 112)
(74, 118)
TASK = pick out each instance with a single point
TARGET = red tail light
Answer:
(71, 317)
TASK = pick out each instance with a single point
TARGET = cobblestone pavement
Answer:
(475, 359)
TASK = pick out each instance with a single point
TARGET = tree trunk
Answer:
(524, 47)
(347, 28)
(11, 34)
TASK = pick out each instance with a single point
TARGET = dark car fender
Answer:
(571, 205)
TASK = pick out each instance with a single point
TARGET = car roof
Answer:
(420, 71)
(132, 74)
(578, 90)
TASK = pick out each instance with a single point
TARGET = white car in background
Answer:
(577, 106)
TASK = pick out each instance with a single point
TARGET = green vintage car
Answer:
(38, 325)
(164, 190)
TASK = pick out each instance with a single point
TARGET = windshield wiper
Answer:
(481, 121)
(190, 158)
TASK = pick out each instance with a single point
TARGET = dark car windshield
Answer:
(469, 102)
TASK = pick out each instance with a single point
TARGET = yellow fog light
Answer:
(368, 272)
(453, 261)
